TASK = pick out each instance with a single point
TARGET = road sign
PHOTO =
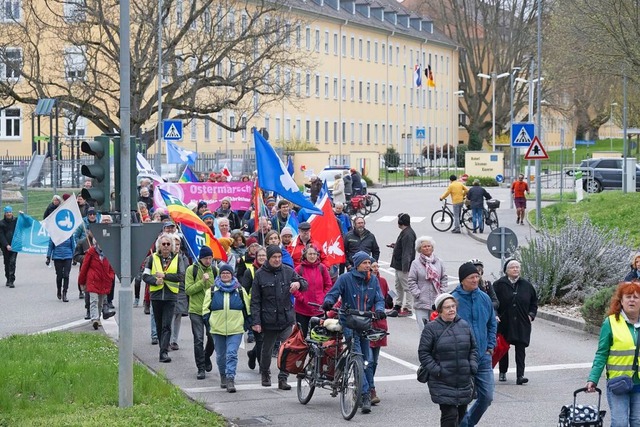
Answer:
(499, 178)
(536, 151)
(420, 133)
(172, 130)
(522, 134)
(502, 242)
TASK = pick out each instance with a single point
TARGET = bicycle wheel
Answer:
(374, 203)
(467, 219)
(351, 391)
(306, 385)
(363, 209)
(442, 220)
(492, 221)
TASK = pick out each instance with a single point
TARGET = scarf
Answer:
(432, 276)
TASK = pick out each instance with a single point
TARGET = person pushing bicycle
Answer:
(359, 290)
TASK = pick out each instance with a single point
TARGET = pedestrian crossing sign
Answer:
(172, 130)
(522, 134)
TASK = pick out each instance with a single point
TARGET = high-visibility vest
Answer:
(173, 269)
(623, 349)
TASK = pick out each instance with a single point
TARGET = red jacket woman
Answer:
(317, 275)
(96, 273)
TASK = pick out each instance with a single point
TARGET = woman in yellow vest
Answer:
(617, 349)
(163, 272)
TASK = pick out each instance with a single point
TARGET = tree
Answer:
(391, 158)
(217, 56)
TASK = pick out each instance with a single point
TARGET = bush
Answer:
(460, 159)
(475, 142)
(368, 181)
(596, 306)
(574, 262)
(391, 158)
(485, 181)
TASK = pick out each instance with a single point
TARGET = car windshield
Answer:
(329, 175)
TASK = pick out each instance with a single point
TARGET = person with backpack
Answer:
(227, 315)
(317, 275)
(247, 281)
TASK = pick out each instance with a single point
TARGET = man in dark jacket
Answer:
(404, 251)
(272, 309)
(315, 186)
(348, 185)
(356, 182)
(7, 228)
(476, 196)
(360, 239)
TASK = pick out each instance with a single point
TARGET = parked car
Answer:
(603, 173)
(329, 173)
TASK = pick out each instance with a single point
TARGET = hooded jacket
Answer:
(355, 242)
(227, 306)
(196, 287)
(358, 291)
(477, 309)
(96, 273)
(319, 280)
(7, 228)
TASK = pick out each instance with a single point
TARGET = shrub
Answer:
(573, 262)
(460, 158)
(368, 181)
(475, 142)
(485, 181)
(596, 306)
(391, 158)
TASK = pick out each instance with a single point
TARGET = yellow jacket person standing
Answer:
(457, 191)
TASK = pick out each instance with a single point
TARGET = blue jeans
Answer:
(154, 331)
(485, 383)
(361, 345)
(457, 208)
(227, 353)
(478, 223)
(625, 409)
(375, 355)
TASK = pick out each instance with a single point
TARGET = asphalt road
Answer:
(558, 360)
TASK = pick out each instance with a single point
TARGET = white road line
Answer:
(417, 219)
(387, 218)
(63, 327)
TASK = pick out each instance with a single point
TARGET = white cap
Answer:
(441, 299)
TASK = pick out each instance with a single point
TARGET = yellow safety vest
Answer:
(173, 269)
(621, 353)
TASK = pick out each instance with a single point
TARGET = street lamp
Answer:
(493, 77)
(611, 125)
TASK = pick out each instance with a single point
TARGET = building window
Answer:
(344, 46)
(10, 118)
(277, 128)
(335, 88)
(232, 124)
(307, 130)
(207, 130)
(298, 36)
(74, 10)
(369, 50)
(317, 46)
(308, 38)
(326, 87)
(384, 93)
(383, 52)
(179, 13)
(352, 129)
(287, 129)
(317, 85)
(75, 63)
(76, 126)
(307, 87)
(326, 131)
(220, 129)
(343, 137)
(193, 128)
(326, 42)
(298, 83)
(335, 131)
(375, 93)
(11, 10)
(353, 89)
(317, 131)
(368, 133)
(375, 52)
(462, 119)
(353, 46)
(335, 43)
(298, 129)
(368, 92)
(11, 65)
(360, 49)
(344, 89)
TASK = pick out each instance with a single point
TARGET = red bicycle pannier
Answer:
(293, 352)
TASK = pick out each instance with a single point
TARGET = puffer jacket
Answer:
(452, 363)
(424, 291)
(319, 280)
(96, 274)
(226, 302)
(64, 250)
(271, 305)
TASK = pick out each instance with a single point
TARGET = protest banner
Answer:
(211, 192)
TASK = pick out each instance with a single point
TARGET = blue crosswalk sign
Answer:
(522, 134)
(421, 133)
(172, 130)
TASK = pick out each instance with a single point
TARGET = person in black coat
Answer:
(634, 274)
(404, 252)
(348, 185)
(360, 239)
(55, 202)
(518, 308)
(476, 196)
(7, 228)
(448, 350)
(356, 182)
(272, 309)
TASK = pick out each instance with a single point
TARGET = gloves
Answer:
(381, 315)
(48, 261)
(327, 305)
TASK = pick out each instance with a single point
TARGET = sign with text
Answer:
(481, 163)
(210, 192)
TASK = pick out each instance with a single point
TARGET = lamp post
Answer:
(514, 150)
(458, 94)
(611, 125)
(493, 77)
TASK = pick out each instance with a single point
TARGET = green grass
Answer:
(69, 379)
(37, 201)
(567, 196)
(607, 210)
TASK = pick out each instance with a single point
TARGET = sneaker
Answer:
(95, 325)
(87, 315)
(405, 313)
(455, 231)
(164, 358)
(366, 403)
(283, 385)
(201, 374)
(266, 379)
(502, 377)
(223, 381)
(231, 387)
(174, 346)
(136, 302)
(80, 295)
(374, 397)
(154, 341)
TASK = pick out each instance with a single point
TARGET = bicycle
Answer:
(489, 215)
(442, 219)
(372, 202)
(333, 363)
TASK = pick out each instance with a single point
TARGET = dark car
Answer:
(604, 173)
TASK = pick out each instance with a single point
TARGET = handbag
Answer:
(502, 347)
(358, 323)
(623, 384)
(423, 372)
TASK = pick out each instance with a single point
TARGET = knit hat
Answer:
(225, 267)
(225, 242)
(466, 270)
(205, 251)
(359, 257)
(404, 219)
(251, 241)
(8, 209)
(440, 299)
(65, 196)
(201, 204)
(286, 230)
(506, 264)
(272, 250)
(207, 214)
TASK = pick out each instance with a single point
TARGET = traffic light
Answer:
(131, 186)
(99, 171)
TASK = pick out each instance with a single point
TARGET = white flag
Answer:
(145, 169)
(62, 222)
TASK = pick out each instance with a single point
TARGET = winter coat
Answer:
(452, 363)
(317, 276)
(381, 323)
(271, 305)
(423, 290)
(404, 251)
(296, 252)
(147, 201)
(345, 223)
(226, 302)
(197, 288)
(81, 250)
(315, 187)
(518, 302)
(477, 195)
(348, 185)
(358, 291)
(64, 250)
(487, 288)
(96, 274)
(49, 209)
(632, 275)
(338, 191)
(242, 265)
(7, 228)
(247, 278)
(476, 308)
(354, 242)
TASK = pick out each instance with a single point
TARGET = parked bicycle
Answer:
(442, 219)
(363, 204)
(489, 215)
(333, 363)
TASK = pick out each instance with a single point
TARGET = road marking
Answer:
(415, 219)
(387, 218)
(63, 327)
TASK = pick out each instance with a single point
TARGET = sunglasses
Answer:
(166, 244)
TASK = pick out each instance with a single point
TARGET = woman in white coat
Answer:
(338, 190)
(427, 279)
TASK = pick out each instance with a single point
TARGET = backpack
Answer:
(293, 352)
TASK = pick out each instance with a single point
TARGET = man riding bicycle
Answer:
(359, 290)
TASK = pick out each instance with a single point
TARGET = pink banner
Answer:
(210, 192)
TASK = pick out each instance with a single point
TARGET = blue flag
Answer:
(290, 168)
(179, 155)
(30, 236)
(273, 176)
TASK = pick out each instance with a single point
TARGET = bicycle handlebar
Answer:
(347, 311)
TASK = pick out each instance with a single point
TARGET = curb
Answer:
(578, 324)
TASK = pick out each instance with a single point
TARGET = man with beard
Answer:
(360, 239)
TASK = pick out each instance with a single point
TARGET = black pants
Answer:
(303, 321)
(63, 267)
(520, 356)
(257, 347)
(136, 287)
(163, 315)
(269, 340)
(451, 415)
(9, 264)
(201, 352)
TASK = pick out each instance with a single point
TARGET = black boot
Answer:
(59, 293)
(64, 297)
(87, 316)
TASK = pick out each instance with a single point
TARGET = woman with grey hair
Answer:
(338, 190)
(427, 279)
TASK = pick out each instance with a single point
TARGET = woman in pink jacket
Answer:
(317, 275)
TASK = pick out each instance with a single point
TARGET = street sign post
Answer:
(421, 133)
(502, 243)
(536, 151)
(172, 130)
(522, 134)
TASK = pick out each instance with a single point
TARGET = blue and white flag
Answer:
(180, 155)
(290, 167)
(62, 223)
(417, 71)
(273, 176)
(30, 236)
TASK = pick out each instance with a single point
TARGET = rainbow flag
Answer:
(260, 208)
(196, 232)
(188, 175)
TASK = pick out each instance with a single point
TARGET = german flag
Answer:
(430, 81)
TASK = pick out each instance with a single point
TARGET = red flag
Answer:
(225, 171)
(326, 231)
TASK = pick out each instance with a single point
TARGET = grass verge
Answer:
(71, 379)
(37, 201)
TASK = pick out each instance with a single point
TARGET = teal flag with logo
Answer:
(30, 236)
